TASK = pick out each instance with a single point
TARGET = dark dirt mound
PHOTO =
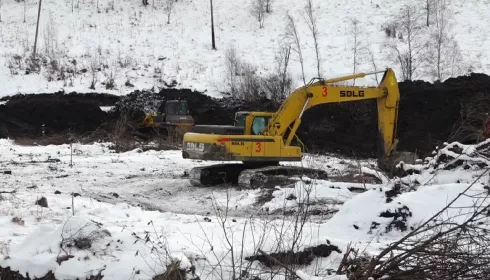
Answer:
(100, 99)
(304, 257)
(29, 115)
(6, 273)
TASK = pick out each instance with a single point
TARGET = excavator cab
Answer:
(253, 123)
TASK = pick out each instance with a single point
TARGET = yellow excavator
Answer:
(260, 140)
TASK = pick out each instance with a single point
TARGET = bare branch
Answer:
(311, 20)
(410, 48)
(169, 7)
(293, 34)
(259, 9)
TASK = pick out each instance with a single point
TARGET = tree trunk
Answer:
(428, 11)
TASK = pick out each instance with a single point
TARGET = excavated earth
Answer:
(429, 115)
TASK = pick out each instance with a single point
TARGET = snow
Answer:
(140, 214)
(106, 108)
(136, 44)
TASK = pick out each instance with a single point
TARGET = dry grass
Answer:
(18, 220)
(173, 272)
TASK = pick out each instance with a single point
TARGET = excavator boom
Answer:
(287, 119)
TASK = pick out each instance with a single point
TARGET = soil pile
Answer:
(202, 107)
(30, 115)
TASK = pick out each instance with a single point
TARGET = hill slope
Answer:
(125, 44)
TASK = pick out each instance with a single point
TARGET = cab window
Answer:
(171, 108)
(259, 125)
(183, 110)
(177, 108)
(240, 121)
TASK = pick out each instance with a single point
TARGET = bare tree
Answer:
(25, 10)
(258, 10)
(268, 6)
(232, 68)
(311, 20)
(373, 63)
(440, 33)
(169, 7)
(278, 84)
(429, 4)
(356, 45)
(293, 35)
(445, 58)
(473, 116)
(410, 46)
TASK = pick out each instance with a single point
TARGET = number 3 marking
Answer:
(259, 147)
(325, 92)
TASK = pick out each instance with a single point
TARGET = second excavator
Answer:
(260, 140)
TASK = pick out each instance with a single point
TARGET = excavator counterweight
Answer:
(263, 139)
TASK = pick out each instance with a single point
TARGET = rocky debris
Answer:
(304, 257)
(43, 202)
(399, 218)
(7, 273)
(453, 156)
(204, 109)
(394, 192)
(137, 103)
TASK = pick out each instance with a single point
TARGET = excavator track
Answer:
(250, 176)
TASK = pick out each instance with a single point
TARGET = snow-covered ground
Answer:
(132, 43)
(125, 215)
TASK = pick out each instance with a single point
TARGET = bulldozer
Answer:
(174, 121)
(259, 141)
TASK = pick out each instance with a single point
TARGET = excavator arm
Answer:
(286, 121)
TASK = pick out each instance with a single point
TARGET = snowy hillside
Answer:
(132, 45)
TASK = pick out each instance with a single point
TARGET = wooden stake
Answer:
(212, 26)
